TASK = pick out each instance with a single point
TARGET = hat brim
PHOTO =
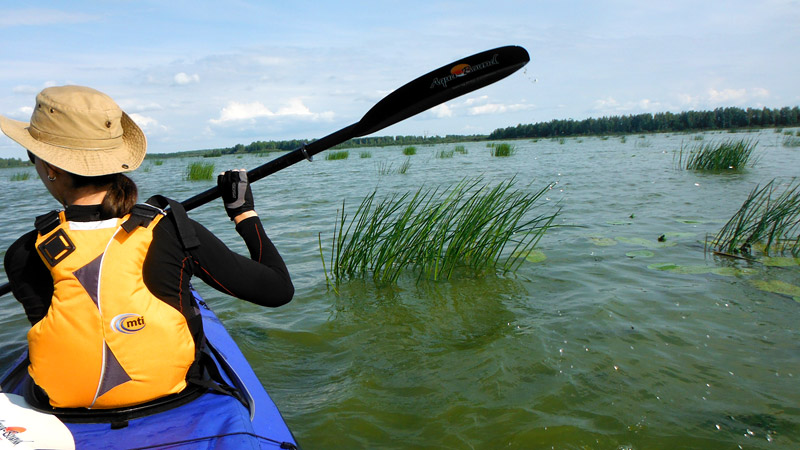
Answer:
(124, 158)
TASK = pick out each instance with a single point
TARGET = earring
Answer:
(51, 178)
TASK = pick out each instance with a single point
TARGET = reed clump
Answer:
(385, 168)
(337, 155)
(769, 220)
(791, 141)
(460, 149)
(405, 166)
(410, 150)
(503, 150)
(445, 154)
(434, 232)
(718, 156)
(20, 176)
(199, 171)
(365, 154)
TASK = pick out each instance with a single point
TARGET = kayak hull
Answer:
(210, 421)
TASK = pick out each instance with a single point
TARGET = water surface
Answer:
(595, 347)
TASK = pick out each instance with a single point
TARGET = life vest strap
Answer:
(185, 229)
(142, 215)
(47, 222)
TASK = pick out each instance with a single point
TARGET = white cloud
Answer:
(476, 100)
(496, 108)
(606, 103)
(442, 111)
(147, 124)
(723, 97)
(183, 78)
(726, 95)
(474, 106)
(236, 112)
(23, 113)
(736, 96)
(295, 108)
(611, 105)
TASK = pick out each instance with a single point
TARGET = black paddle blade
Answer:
(443, 84)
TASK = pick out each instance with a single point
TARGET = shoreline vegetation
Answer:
(731, 118)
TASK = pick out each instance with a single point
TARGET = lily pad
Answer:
(603, 241)
(640, 254)
(645, 242)
(779, 261)
(777, 287)
(675, 268)
(534, 256)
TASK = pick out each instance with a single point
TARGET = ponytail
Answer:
(121, 196)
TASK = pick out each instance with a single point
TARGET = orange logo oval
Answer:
(460, 70)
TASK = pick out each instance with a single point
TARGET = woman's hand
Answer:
(236, 194)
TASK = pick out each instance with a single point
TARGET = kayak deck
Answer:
(211, 421)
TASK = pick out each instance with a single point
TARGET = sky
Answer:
(201, 74)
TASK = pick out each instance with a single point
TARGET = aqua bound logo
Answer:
(128, 323)
(460, 70)
(10, 433)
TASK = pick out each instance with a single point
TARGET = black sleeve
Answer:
(262, 279)
(31, 282)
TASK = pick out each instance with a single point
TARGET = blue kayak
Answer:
(206, 419)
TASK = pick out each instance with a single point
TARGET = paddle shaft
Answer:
(434, 88)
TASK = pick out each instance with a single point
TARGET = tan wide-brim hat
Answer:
(80, 130)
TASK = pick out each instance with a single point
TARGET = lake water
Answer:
(594, 347)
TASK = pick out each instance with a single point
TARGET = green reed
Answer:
(20, 176)
(460, 149)
(158, 162)
(445, 154)
(365, 154)
(768, 219)
(384, 168)
(410, 150)
(337, 155)
(433, 232)
(405, 166)
(503, 150)
(717, 156)
(199, 171)
(791, 141)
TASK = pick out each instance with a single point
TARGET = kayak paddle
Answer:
(434, 88)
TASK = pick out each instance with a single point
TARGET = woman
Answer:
(105, 282)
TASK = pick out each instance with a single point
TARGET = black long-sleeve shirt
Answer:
(262, 279)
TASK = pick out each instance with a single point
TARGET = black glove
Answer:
(236, 192)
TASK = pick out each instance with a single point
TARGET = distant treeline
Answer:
(277, 146)
(13, 162)
(718, 119)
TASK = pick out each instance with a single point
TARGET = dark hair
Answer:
(121, 196)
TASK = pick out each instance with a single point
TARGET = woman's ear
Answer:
(53, 172)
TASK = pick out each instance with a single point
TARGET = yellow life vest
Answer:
(106, 341)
